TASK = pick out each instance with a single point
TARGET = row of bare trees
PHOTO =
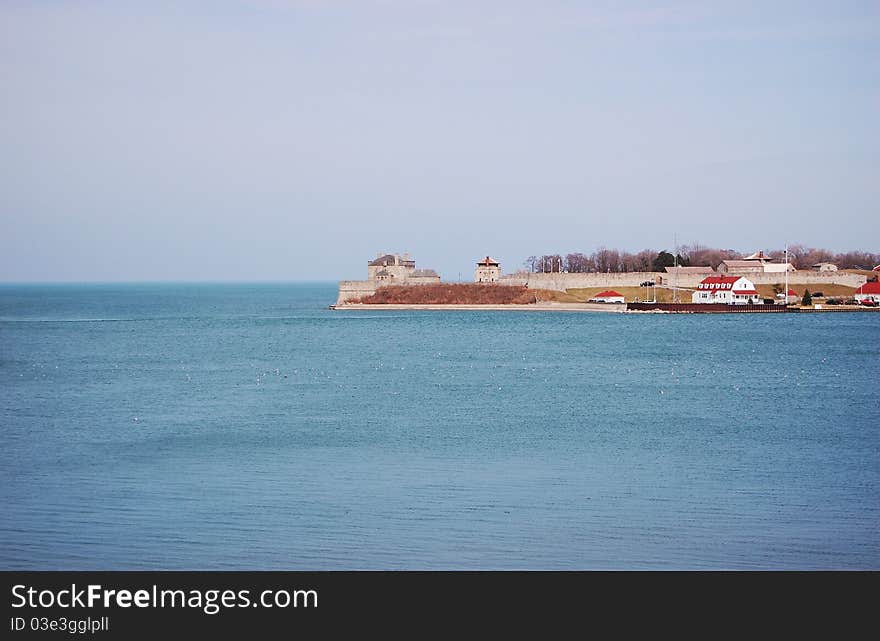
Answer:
(804, 257)
(613, 260)
(604, 260)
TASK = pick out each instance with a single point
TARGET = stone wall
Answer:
(351, 289)
(398, 272)
(562, 281)
(809, 277)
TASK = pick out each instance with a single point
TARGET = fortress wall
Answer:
(562, 281)
(809, 277)
(351, 289)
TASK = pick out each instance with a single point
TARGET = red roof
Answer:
(712, 280)
(487, 261)
(869, 288)
(750, 292)
(608, 294)
(719, 282)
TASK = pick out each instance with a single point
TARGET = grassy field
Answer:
(629, 294)
(547, 295)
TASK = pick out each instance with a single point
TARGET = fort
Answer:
(383, 271)
(395, 269)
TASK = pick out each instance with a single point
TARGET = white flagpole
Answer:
(786, 273)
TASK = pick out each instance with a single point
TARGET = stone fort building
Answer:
(487, 271)
(386, 269)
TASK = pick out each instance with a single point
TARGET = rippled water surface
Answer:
(246, 426)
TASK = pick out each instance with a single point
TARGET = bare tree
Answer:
(606, 260)
(857, 260)
(640, 262)
(578, 263)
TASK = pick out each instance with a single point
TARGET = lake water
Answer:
(248, 427)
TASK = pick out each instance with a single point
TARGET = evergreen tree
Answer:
(807, 300)
(664, 259)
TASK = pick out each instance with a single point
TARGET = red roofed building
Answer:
(488, 271)
(608, 296)
(868, 292)
(731, 290)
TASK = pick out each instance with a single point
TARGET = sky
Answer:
(296, 139)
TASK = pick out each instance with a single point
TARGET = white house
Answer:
(608, 296)
(868, 292)
(730, 290)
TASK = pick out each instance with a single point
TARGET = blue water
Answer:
(246, 426)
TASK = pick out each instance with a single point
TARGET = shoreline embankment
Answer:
(531, 307)
(619, 308)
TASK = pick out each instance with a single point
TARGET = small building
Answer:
(740, 266)
(608, 296)
(730, 290)
(792, 297)
(397, 269)
(868, 292)
(824, 267)
(757, 263)
(747, 266)
(690, 271)
(488, 271)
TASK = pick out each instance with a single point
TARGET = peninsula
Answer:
(754, 283)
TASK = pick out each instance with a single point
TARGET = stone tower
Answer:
(488, 271)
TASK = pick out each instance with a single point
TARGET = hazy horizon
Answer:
(465, 274)
(292, 140)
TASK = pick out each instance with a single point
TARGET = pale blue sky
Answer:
(293, 139)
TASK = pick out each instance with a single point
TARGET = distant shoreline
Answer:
(619, 308)
(532, 307)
